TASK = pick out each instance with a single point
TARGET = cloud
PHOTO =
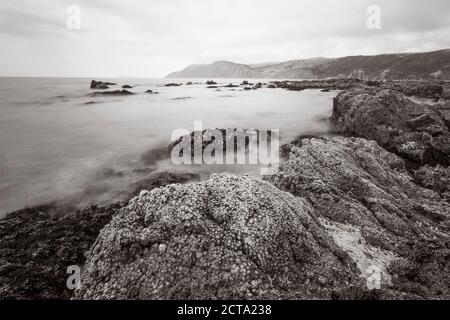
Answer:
(153, 38)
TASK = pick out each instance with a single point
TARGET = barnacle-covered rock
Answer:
(228, 237)
(359, 186)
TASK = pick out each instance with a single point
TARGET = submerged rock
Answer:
(228, 237)
(122, 92)
(416, 132)
(172, 84)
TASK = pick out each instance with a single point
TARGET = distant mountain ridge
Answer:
(420, 66)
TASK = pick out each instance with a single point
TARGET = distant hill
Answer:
(427, 65)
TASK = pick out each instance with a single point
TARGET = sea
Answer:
(57, 140)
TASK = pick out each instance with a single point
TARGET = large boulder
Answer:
(229, 237)
(355, 184)
(417, 132)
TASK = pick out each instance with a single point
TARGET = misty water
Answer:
(55, 138)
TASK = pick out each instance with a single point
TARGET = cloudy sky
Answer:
(152, 38)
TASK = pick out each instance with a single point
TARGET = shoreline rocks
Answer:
(354, 182)
(338, 208)
(417, 132)
(228, 237)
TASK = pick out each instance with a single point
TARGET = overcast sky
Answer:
(155, 37)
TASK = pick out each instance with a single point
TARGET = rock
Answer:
(226, 238)
(126, 86)
(172, 84)
(416, 132)
(230, 85)
(230, 138)
(181, 98)
(211, 87)
(434, 178)
(210, 83)
(271, 86)
(38, 244)
(330, 84)
(122, 92)
(189, 83)
(248, 88)
(151, 91)
(414, 88)
(257, 86)
(365, 193)
(101, 85)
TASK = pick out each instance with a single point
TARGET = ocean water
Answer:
(55, 138)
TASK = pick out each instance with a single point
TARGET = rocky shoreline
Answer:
(376, 198)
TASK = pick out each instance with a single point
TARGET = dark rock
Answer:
(330, 84)
(211, 87)
(122, 92)
(414, 88)
(151, 91)
(210, 83)
(189, 83)
(248, 88)
(181, 98)
(416, 132)
(101, 85)
(434, 178)
(38, 244)
(230, 85)
(126, 86)
(172, 84)
(271, 86)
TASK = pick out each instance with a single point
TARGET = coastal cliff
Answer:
(418, 66)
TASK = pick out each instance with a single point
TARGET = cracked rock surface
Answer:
(419, 133)
(355, 182)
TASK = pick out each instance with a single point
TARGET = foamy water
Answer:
(53, 141)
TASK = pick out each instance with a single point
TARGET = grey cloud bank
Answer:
(151, 39)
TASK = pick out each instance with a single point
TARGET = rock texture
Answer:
(38, 244)
(228, 237)
(356, 183)
(417, 132)
(339, 209)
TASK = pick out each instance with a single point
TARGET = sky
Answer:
(137, 38)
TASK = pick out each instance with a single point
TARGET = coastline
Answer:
(410, 171)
